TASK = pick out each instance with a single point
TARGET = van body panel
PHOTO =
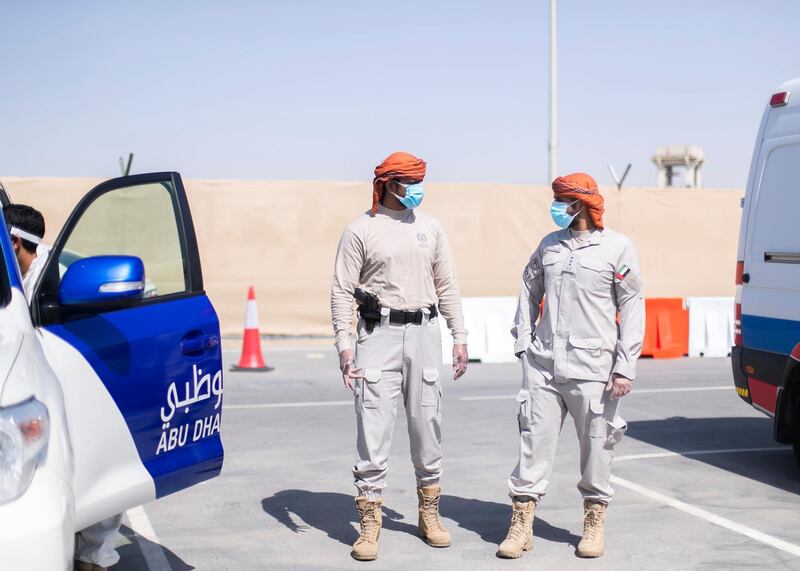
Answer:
(765, 373)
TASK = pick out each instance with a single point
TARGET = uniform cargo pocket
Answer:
(584, 356)
(605, 424)
(588, 343)
(616, 430)
(524, 415)
(370, 391)
(430, 387)
(597, 424)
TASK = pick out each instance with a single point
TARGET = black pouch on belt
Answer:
(369, 308)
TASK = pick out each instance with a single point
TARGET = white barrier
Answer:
(710, 326)
(488, 321)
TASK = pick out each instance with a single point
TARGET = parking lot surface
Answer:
(700, 484)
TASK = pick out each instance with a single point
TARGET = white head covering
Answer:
(20, 233)
(31, 277)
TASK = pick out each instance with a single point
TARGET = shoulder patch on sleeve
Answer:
(628, 278)
(528, 274)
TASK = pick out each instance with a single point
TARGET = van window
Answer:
(773, 225)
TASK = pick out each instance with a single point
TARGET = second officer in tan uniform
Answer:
(396, 262)
(578, 359)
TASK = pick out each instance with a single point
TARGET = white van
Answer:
(766, 355)
(111, 380)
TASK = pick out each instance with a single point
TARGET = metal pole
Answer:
(553, 143)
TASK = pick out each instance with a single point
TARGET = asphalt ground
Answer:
(700, 483)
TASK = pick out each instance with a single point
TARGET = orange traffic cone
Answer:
(252, 359)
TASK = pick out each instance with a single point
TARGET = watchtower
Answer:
(689, 157)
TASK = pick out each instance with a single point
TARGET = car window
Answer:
(138, 221)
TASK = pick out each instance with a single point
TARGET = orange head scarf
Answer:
(400, 166)
(581, 186)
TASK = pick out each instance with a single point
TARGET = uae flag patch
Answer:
(622, 272)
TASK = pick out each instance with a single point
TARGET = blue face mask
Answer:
(414, 195)
(559, 213)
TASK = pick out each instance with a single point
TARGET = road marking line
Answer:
(315, 356)
(709, 517)
(684, 389)
(234, 350)
(288, 404)
(632, 393)
(151, 548)
(668, 454)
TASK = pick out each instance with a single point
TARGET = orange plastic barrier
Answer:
(666, 333)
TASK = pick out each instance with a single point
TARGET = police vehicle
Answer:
(111, 380)
(766, 355)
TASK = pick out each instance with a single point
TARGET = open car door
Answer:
(4, 200)
(128, 329)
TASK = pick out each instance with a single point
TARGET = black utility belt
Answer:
(400, 317)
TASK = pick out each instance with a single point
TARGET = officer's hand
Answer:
(460, 360)
(349, 374)
(618, 385)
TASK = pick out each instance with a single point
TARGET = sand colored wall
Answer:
(281, 237)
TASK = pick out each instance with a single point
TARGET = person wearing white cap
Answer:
(95, 546)
(26, 227)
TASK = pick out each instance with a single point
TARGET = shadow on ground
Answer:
(335, 515)
(329, 512)
(130, 554)
(678, 434)
(490, 520)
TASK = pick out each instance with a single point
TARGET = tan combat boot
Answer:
(520, 534)
(366, 546)
(431, 528)
(593, 540)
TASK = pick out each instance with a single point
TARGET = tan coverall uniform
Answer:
(404, 258)
(587, 278)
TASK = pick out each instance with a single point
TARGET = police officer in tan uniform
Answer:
(395, 260)
(577, 359)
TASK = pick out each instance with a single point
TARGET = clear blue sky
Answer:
(313, 89)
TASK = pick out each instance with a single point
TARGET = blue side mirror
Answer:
(102, 280)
